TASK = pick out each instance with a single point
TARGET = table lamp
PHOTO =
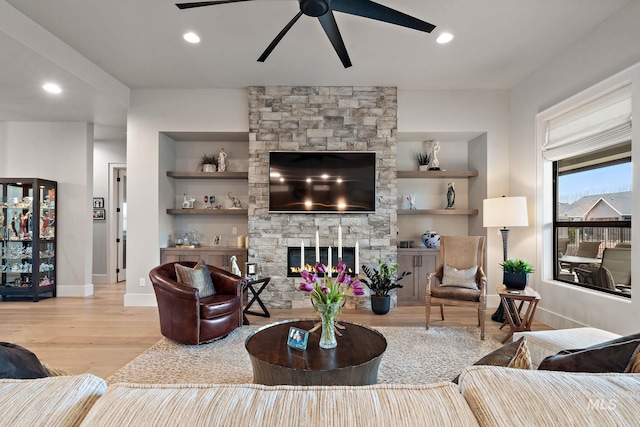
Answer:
(505, 212)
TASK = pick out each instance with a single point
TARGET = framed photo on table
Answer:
(297, 338)
(250, 269)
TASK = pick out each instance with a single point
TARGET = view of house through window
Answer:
(592, 219)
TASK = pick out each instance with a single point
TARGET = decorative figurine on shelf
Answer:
(412, 201)
(235, 201)
(13, 228)
(435, 163)
(187, 202)
(451, 195)
(2, 229)
(222, 161)
(234, 266)
(24, 224)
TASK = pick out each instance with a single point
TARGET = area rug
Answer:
(413, 356)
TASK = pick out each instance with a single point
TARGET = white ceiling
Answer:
(131, 44)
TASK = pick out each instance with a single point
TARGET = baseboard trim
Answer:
(99, 279)
(140, 300)
(75, 291)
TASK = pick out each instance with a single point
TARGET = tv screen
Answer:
(322, 181)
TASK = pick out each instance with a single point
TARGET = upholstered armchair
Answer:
(464, 283)
(185, 316)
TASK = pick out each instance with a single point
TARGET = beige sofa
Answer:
(485, 396)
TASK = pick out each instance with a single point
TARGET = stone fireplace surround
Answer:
(335, 118)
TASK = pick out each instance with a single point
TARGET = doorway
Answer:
(121, 223)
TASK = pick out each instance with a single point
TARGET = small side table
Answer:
(250, 285)
(509, 299)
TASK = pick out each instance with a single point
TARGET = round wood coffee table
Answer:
(353, 362)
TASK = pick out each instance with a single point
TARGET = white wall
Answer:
(61, 152)
(151, 112)
(610, 48)
(154, 111)
(105, 153)
(476, 111)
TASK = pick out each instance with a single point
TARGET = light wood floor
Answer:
(99, 335)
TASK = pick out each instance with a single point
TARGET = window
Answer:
(592, 220)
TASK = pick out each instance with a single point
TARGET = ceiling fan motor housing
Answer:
(315, 8)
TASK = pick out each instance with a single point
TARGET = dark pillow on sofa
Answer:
(611, 356)
(512, 355)
(19, 363)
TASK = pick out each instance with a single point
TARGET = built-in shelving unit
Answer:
(437, 174)
(207, 212)
(207, 175)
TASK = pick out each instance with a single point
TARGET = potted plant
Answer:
(208, 163)
(423, 160)
(381, 281)
(516, 273)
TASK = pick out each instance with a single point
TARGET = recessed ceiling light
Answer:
(444, 38)
(51, 88)
(191, 37)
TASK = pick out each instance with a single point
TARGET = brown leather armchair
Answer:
(189, 319)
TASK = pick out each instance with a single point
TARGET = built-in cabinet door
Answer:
(419, 262)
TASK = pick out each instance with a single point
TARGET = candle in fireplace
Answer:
(301, 255)
(317, 248)
(339, 242)
(357, 257)
(329, 262)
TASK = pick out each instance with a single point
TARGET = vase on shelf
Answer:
(431, 239)
(208, 168)
(328, 313)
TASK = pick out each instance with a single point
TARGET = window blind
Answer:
(595, 125)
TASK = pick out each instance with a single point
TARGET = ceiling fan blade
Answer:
(330, 27)
(205, 3)
(372, 10)
(279, 37)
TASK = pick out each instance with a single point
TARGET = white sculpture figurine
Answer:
(222, 157)
(412, 201)
(435, 163)
(234, 266)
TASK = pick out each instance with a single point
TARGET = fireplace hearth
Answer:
(294, 260)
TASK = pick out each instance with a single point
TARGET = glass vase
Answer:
(328, 313)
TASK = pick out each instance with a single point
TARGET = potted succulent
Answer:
(423, 160)
(516, 273)
(381, 281)
(208, 163)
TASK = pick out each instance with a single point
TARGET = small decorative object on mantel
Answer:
(431, 239)
(516, 273)
(327, 296)
(207, 163)
(381, 281)
(435, 163)
(235, 202)
(412, 201)
(451, 195)
(187, 202)
(222, 161)
(423, 161)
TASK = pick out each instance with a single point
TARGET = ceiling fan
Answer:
(323, 10)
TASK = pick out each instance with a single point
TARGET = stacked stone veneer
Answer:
(314, 119)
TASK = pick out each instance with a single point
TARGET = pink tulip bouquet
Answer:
(325, 290)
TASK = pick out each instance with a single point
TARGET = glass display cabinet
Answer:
(27, 237)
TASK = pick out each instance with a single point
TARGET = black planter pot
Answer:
(380, 305)
(515, 280)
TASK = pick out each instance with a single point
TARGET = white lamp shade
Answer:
(505, 212)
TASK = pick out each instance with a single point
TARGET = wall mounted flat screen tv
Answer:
(322, 181)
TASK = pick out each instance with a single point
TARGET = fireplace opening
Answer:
(294, 260)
